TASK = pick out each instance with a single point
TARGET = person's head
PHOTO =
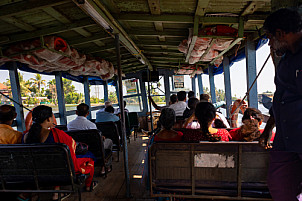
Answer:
(7, 114)
(108, 103)
(109, 109)
(181, 96)
(191, 94)
(173, 98)
(205, 113)
(252, 119)
(280, 27)
(167, 118)
(42, 120)
(204, 98)
(218, 123)
(82, 110)
(192, 102)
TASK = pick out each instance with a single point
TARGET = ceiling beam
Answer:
(150, 33)
(28, 6)
(156, 18)
(18, 23)
(158, 43)
(100, 13)
(48, 31)
(194, 38)
(95, 37)
(154, 6)
(208, 49)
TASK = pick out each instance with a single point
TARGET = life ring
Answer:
(234, 114)
(29, 120)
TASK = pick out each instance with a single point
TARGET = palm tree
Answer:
(38, 82)
(53, 90)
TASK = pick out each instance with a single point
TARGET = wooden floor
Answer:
(113, 187)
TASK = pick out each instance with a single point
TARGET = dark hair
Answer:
(82, 109)
(205, 112)
(181, 95)
(218, 123)
(192, 102)
(204, 98)
(7, 113)
(125, 104)
(249, 131)
(167, 118)
(109, 109)
(191, 94)
(173, 98)
(39, 115)
(285, 19)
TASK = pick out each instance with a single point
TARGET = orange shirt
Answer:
(8, 135)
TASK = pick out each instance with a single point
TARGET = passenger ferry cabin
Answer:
(102, 42)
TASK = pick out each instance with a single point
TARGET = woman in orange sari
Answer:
(43, 131)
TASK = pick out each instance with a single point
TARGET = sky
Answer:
(237, 71)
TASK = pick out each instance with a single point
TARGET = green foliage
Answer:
(96, 100)
(112, 97)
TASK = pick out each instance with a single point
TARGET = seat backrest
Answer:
(92, 138)
(35, 166)
(215, 168)
(109, 130)
(133, 119)
(62, 127)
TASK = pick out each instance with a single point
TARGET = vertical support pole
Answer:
(193, 80)
(251, 72)
(167, 88)
(144, 94)
(122, 109)
(61, 99)
(150, 105)
(212, 84)
(139, 100)
(16, 91)
(227, 85)
(105, 91)
(172, 79)
(200, 85)
(87, 95)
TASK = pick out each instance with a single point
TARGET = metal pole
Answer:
(167, 88)
(227, 85)
(212, 84)
(122, 109)
(105, 91)
(144, 94)
(61, 100)
(200, 85)
(150, 105)
(87, 95)
(137, 91)
(16, 91)
(193, 80)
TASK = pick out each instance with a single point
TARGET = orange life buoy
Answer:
(29, 120)
(234, 114)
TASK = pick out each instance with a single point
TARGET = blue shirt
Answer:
(287, 103)
(105, 117)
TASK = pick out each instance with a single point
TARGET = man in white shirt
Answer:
(181, 105)
(82, 123)
(107, 103)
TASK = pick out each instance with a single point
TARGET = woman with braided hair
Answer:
(250, 130)
(205, 113)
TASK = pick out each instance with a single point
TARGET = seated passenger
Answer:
(250, 130)
(107, 115)
(189, 111)
(107, 103)
(43, 131)
(173, 100)
(181, 105)
(167, 119)
(7, 134)
(81, 122)
(118, 110)
(205, 113)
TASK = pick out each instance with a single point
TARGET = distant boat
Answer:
(267, 101)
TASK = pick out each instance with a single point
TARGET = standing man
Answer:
(283, 28)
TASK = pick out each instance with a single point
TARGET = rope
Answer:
(248, 92)
(14, 101)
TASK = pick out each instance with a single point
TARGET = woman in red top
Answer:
(250, 130)
(167, 119)
(205, 113)
(43, 131)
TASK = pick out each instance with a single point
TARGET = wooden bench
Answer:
(37, 169)
(209, 170)
(95, 145)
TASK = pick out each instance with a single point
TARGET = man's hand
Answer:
(265, 138)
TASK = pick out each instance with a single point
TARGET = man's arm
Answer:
(266, 136)
(154, 104)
